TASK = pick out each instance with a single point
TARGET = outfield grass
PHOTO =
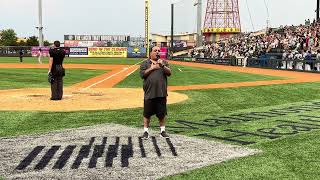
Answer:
(292, 157)
(67, 60)
(183, 75)
(201, 104)
(37, 78)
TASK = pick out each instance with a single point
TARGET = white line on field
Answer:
(132, 72)
(111, 76)
(180, 70)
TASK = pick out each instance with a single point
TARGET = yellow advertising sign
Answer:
(107, 52)
(221, 30)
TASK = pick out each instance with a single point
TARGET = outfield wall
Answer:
(109, 52)
(106, 52)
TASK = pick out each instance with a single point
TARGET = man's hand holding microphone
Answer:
(159, 61)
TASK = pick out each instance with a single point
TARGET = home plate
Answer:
(108, 152)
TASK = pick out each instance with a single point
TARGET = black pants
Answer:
(21, 58)
(57, 88)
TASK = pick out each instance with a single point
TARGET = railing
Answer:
(13, 51)
(297, 65)
(293, 65)
(219, 61)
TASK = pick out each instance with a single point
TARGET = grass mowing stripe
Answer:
(200, 105)
(37, 78)
(193, 76)
(290, 158)
(115, 74)
(293, 157)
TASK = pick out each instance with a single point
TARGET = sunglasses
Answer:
(156, 51)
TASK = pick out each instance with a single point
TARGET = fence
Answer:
(13, 51)
(293, 65)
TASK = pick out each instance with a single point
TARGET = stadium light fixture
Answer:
(40, 27)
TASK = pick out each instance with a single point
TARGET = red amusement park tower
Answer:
(222, 19)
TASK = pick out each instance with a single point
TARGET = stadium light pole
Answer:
(268, 15)
(199, 21)
(318, 10)
(40, 27)
(172, 25)
(146, 26)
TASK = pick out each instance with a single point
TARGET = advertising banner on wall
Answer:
(178, 43)
(35, 51)
(69, 43)
(163, 53)
(97, 37)
(107, 52)
(78, 52)
(137, 52)
(45, 51)
(136, 42)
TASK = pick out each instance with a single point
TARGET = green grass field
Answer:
(183, 75)
(37, 78)
(293, 155)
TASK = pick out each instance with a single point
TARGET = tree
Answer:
(46, 43)
(32, 41)
(8, 37)
(21, 43)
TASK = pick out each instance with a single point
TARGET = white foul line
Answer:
(111, 76)
(180, 70)
(132, 72)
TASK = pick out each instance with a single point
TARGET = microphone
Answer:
(158, 56)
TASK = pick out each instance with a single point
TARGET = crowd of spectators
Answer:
(295, 42)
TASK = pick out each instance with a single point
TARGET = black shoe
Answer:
(145, 135)
(164, 135)
(53, 99)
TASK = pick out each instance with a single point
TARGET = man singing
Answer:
(154, 72)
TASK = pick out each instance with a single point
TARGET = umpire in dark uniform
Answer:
(56, 71)
(154, 72)
(21, 55)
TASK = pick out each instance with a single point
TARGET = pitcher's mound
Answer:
(38, 99)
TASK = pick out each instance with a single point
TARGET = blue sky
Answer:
(126, 17)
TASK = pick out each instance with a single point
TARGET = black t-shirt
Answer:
(155, 85)
(58, 55)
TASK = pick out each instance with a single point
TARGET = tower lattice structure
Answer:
(222, 17)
